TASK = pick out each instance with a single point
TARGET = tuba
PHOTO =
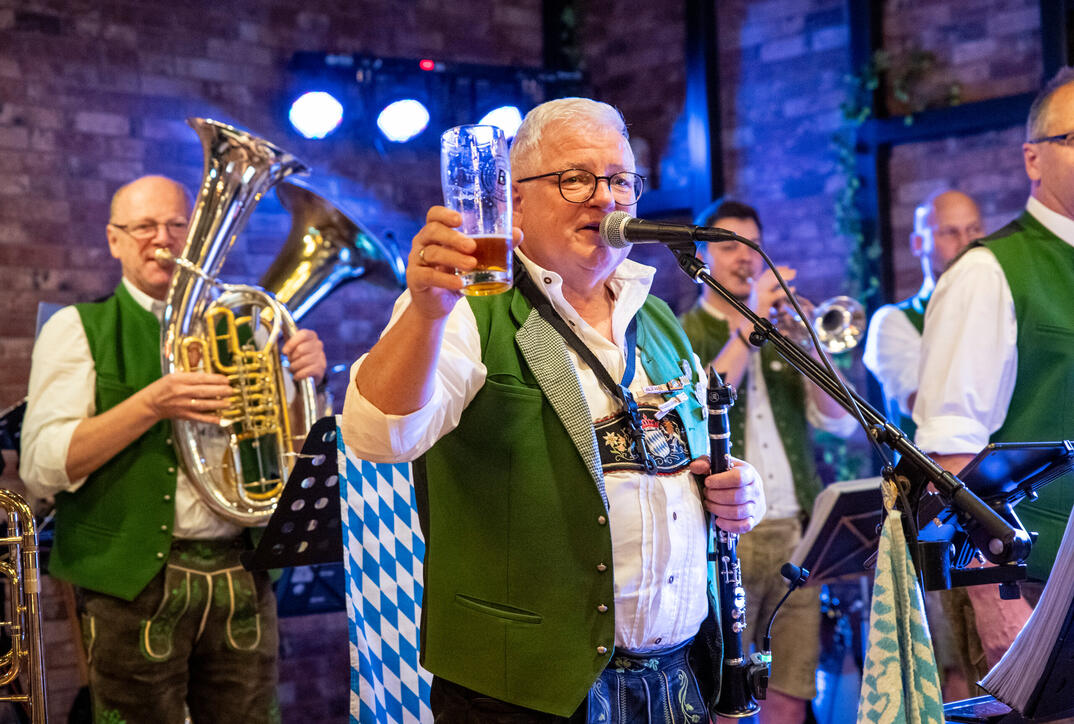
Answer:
(23, 623)
(239, 467)
(325, 248)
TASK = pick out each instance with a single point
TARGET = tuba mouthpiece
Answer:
(164, 256)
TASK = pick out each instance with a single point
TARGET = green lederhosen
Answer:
(519, 597)
(1039, 267)
(786, 394)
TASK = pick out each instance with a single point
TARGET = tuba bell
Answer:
(239, 467)
(20, 569)
(325, 248)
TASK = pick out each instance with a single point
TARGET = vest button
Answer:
(171, 469)
(169, 441)
(167, 497)
(602, 650)
(602, 520)
(602, 608)
(601, 567)
(164, 528)
(160, 554)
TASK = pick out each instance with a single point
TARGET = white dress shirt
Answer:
(659, 540)
(893, 354)
(970, 360)
(764, 447)
(62, 394)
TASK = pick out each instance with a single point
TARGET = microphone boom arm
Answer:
(999, 541)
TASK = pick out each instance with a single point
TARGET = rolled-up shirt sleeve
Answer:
(892, 354)
(969, 357)
(380, 437)
(61, 395)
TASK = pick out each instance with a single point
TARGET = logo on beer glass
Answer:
(476, 178)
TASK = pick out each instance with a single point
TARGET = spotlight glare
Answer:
(316, 114)
(507, 118)
(402, 120)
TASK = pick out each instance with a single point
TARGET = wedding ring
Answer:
(193, 402)
(421, 255)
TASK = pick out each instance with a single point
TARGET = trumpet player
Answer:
(146, 555)
(769, 426)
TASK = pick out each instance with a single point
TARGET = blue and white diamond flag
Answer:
(383, 563)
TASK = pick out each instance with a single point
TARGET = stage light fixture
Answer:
(507, 118)
(403, 120)
(316, 114)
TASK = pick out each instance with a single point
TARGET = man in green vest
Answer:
(769, 426)
(998, 348)
(556, 430)
(944, 224)
(171, 622)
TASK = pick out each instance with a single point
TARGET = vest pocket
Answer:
(498, 610)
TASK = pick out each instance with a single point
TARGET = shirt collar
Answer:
(1053, 221)
(711, 309)
(629, 283)
(146, 302)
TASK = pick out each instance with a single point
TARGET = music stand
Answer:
(305, 529)
(842, 532)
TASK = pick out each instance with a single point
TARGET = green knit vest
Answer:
(113, 533)
(914, 309)
(1039, 268)
(519, 592)
(786, 395)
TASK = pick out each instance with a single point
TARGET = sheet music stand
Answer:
(842, 532)
(305, 529)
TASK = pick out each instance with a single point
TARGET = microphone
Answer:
(619, 229)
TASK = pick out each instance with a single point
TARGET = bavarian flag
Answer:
(900, 683)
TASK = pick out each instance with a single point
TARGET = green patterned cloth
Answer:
(900, 684)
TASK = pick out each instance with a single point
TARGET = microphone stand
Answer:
(1000, 541)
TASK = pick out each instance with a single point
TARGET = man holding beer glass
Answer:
(556, 430)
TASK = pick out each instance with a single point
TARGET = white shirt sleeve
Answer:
(61, 395)
(379, 437)
(969, 357)
(893, 353)
(842, 425)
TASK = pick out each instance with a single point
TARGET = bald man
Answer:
(148, 558)
(944, 225)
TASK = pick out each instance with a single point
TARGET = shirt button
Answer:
(658, 639)
(160, 554)
(602, 608)
(601, 567)
(548, 280)
(671, 579)
(602, 650)
(602, 520)
(674, 516)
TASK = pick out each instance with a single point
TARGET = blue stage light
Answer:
(402, 120)
(507, 118)
(316, 114)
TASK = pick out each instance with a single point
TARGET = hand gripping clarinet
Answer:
(742, 680)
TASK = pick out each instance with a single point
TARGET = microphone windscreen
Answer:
(611, 229)
(791, 572)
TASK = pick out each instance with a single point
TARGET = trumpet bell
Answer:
(325, 248)
(840, 324)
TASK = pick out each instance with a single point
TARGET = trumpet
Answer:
(839, 323)
(23, 621)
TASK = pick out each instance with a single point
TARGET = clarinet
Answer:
(740, 677)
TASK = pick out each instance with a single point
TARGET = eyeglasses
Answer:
(578, 186)
(1063, 139)
(146, 230)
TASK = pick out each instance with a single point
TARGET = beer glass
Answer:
(476, 176)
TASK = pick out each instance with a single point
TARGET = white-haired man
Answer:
(566, 570)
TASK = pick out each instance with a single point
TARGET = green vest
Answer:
(786, 394)
(1039, 267)
(519, 594)
(113, 533)
(914, 309)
